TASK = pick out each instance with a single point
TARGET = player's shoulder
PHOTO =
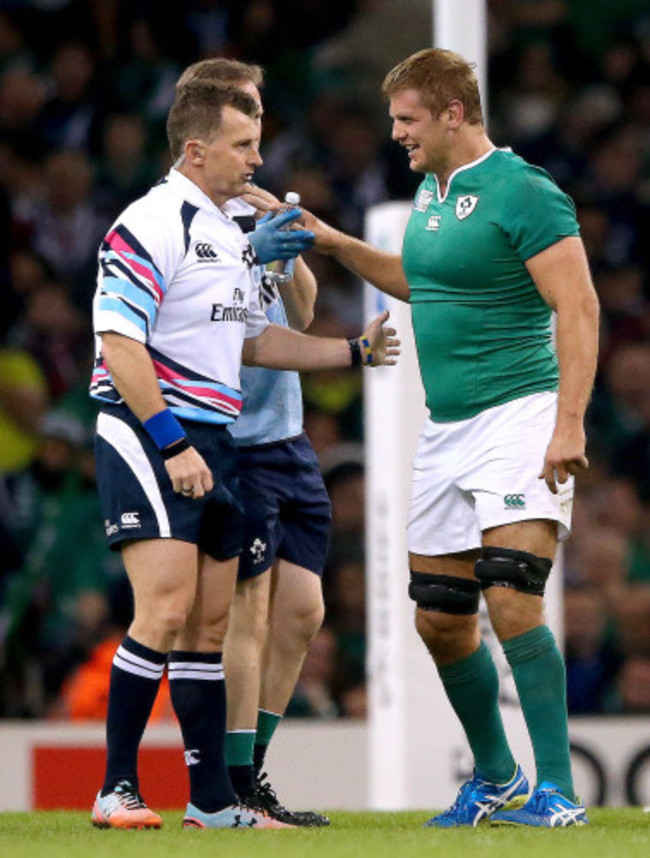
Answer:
(511, 167)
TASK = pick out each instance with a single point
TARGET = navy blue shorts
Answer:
(136, 494)
(287, 510)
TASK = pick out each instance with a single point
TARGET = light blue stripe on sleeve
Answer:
(201, 415)
(156, 276)
(116, 305)
(135, 296)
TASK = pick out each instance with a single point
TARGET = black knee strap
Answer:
(444, 593)
(519, 570)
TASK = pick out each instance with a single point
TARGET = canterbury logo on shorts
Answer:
(514, 501)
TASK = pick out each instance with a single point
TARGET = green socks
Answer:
(540, 676)
(266, 725)
(239, 747)
(246, 749)
(239, 758)
(472, 686)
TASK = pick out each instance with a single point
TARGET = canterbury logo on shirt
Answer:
(205, 252)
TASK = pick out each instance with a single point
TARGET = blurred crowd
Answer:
(85, 86)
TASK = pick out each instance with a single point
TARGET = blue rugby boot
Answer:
(546, 808)
(478, 799)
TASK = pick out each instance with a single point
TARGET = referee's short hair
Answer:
(197, 110)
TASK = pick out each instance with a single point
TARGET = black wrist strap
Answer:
(355, 352)
(175, 449)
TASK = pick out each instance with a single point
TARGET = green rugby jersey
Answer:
(482, 331)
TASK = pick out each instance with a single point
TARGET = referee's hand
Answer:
(270, 241)
(189, 474)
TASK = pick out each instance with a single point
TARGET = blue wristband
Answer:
(164, 428)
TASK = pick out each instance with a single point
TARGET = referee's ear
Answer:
(195, 152)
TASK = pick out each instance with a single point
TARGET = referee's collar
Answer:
(191, 192)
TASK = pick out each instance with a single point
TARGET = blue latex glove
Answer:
(271, 242)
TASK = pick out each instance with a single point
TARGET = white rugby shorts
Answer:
(471, 475)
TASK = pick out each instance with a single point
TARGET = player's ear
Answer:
(455, 111)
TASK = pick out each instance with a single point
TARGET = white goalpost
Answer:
(417, 754)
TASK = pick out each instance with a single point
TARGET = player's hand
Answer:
(271, 242)
(383, 345)
(262, 200)
(565, 457)
(326, 238)
(189, 474)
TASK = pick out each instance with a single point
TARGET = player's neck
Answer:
(471, 144)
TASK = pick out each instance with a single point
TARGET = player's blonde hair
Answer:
(223, 71)
(440, 76)
(198, 108)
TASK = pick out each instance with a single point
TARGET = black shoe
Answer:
(264, 798)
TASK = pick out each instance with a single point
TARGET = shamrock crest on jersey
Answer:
(465, 206)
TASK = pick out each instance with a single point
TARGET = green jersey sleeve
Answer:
(536, 213)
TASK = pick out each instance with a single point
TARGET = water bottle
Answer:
(282, 269)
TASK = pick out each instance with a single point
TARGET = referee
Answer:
(176, 309)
